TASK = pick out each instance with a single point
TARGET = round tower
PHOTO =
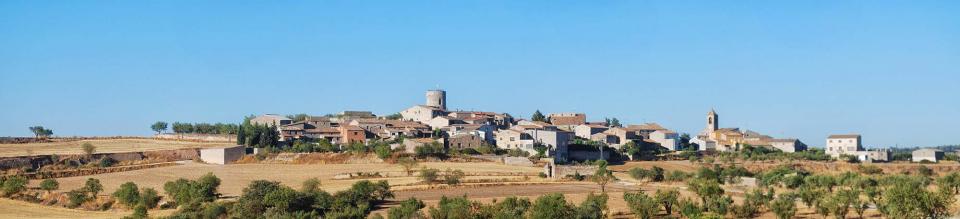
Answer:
(437, 98)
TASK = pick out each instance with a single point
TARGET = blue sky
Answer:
(889, 70)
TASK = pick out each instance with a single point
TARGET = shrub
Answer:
(667, 199)
(128, 194)
(311, 185)
(458, 207)
(139, 212)
(88, 148)
(643, 206)
(407, 164)
(149, 198)
(76, 198)
(676, 176)
(49, 185)
(429, 175)
(93, 186)
(409, 208)
(107, 162)
(185, 191)
(14, 185)
(542, 175)
(452, 177)
(870, 169)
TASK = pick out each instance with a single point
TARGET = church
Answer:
(731, 139)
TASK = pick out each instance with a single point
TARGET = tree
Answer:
(593, 207)
(538, 117)
(159, 127)
(667, 199)
(429, 175)
(408, 209)
(603, 176)
(88, 149)
(643, 206)
(241, 136)
(458, 207)
(407, 164)
(49, 185)
(128, 194)
(551, 206)
(784, 206)
(615, 122)
(383, 151)
(93, 186)
(40, 131)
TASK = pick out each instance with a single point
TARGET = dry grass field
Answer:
(19, 209)
(236, 177)
(103, 146)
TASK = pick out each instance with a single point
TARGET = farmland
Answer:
(102, 146)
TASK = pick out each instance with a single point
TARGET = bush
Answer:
(870, 169)
(429, 175)
(185, 191)
(128, 194)
(409, 208)
(784, 206)
(76, 198)
(139, 212)
(311, 185)
(452, 177)
(93, 186)
(14, 185)
(49, 185)
(542, 175)
(676, 176)
(107, 162)
(641, 205)
(149, 198)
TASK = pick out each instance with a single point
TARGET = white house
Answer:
(844, 144)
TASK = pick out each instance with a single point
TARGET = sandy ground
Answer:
(103, 146)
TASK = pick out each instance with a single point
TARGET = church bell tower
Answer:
(712, 123)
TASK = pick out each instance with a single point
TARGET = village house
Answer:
(557, 141)
(463, 140)
(588, 130)
(666, 138)
(443, 121)
(848, 144)
(927, 154)
(788, 145)
(485, 131)
(512, 139)
(567, 121)
(271, 120)
(352, 134)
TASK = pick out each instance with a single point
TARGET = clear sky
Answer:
(889, 70)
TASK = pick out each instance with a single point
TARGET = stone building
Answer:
(928, 154)
(848, 144)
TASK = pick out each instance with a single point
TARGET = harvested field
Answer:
(670, 165)
(19, 209)
(236, 177)
(103, 146)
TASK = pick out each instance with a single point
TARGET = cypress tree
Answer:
(240, 137)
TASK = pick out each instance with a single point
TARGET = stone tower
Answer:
(712, 121)
(437, 98)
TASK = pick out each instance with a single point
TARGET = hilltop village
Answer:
(560, 135)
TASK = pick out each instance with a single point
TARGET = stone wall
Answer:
(559, 171)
